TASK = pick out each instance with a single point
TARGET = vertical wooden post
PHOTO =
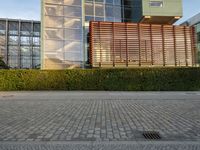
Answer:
(19, 45)
(186, 48)
(139, 40)
(6, 44)
(99, 26)
(174, 35)
(32, 43)
(193, 49)
(127, 60)
(151, 40)
(163, 45)
(113, 40)
(91, 28)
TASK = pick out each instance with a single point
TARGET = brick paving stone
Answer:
(99, 146)
(99, 118)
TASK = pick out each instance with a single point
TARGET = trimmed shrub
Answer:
(138, 79)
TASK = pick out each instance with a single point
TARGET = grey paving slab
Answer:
(100, 146)
(98, 116)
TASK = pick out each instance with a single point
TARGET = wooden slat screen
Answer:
(132, 45)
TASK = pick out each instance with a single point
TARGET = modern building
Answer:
(20, 43)
(195, 21)
(65, 25)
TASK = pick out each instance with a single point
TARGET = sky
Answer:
(30, 9)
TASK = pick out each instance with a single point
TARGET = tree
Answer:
(3, 64)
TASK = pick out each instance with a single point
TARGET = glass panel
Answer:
(36, 62)
(72, 2)
(26, 62)
(2, 27)
(13, 61)
(99, 19)
(54, 1)
(73, 23)
(198, 37)
(54, 10)
(109, 1)
(36, 51)
(72, 11)
(36, 40)
(99, 10)
(117, 12)
(72, 51)
(99, 1)
(52, 21)
(72, 34)
(25, 50)
(13, 28)
(25, 40)
(89, 9)
(51, 33)
(117, 2)
(67, 26)
(13, 50)
(36, 29)
(26, 28)
(13, 40)
(52, 46)
(109, 11)
(127, 2)
(89, 18)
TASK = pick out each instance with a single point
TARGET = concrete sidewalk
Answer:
(99, 120)
(100, 146)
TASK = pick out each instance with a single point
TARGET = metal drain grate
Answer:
(151, 135)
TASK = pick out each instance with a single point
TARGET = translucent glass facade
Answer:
(62, 34)
(20, 43)
(65, 25)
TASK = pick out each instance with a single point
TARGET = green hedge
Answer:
(138, 79)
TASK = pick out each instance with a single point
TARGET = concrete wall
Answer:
(170, 8)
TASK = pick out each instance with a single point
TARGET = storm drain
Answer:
(151, 135)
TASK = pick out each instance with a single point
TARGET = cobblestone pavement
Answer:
(101, 146)
(98, 117)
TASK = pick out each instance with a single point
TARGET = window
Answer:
(36, 40)
(13, 40)
(109, 11)
(25, 40)
(99, 10)
(2, 27)
(156, 3)
(89, 9)
(198, 37)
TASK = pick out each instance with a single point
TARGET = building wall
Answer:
(132, 45)
(20, 43)
(169, 8)
(65, 25)
(195, 21)
(62, 34)
(197, 27)
(137, 10)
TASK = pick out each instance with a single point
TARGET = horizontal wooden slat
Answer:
(131, 44)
